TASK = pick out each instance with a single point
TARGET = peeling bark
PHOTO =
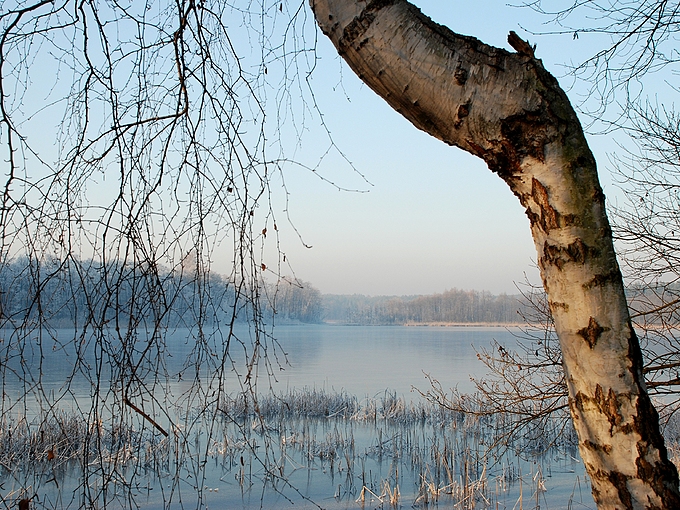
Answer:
(508, 110)
(591, 334)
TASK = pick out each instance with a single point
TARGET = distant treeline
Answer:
(74, 293)
(80, 293)
(458, 306)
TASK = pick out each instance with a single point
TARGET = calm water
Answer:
(364, 361)
(360, 360)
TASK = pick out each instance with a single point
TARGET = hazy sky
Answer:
(432, 217)
(424, 217)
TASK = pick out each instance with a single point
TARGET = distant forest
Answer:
(68, 294)
(452, 306)
(71, 293)
(80, 293)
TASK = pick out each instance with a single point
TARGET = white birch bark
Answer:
(508, 110)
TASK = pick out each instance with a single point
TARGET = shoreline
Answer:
(444, 324)
(472, 324)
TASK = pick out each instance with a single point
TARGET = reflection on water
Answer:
(364, 361)
(361, 360)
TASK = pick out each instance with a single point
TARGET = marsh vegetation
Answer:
(307, 446)
(69, 441)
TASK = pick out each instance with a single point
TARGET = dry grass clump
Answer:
(315, 403)
(304, 403)
(51, 443)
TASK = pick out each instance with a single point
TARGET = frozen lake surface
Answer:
(369, 439)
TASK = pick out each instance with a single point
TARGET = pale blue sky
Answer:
(434, 217)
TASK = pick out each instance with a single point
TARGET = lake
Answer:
(366, 360)
(374, 434)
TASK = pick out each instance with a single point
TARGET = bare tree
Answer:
(524, 382)
(634, 39)
(506, 109)
(138, 144)
(636, 52)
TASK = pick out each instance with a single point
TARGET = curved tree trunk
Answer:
(508, 110)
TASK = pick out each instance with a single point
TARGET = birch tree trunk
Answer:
(508, 110)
